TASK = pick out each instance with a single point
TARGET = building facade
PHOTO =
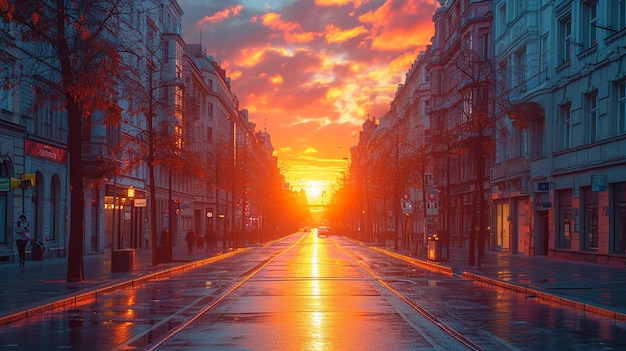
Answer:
(553, 179)
(175, 100)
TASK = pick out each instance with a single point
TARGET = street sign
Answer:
(5, 184)
(141, 202)
(432, 208)
(406, 197)
(407, 207)
(598, 183)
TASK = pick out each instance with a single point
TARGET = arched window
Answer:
(55, 207)
(6, 222)
(37, 196)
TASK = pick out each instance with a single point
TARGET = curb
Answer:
(540, 295)
(427, 265)
(546, 297)
(89, 296)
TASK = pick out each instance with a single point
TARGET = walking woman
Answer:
(22, 237)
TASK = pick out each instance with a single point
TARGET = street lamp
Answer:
(131, 195)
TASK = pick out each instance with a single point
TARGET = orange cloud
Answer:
(314, 71)
(222, 15)
(399, 25)
(293, 32)
(336, 35)
(356, 3)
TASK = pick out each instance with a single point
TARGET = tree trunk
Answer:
(75, 267)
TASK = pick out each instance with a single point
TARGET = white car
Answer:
(323, 231)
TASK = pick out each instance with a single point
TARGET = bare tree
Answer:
(153, 123)
(80, 68)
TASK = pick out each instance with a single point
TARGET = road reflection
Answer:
(318, 340)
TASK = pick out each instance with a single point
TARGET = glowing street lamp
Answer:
(131, 195)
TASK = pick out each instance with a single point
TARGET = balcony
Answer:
(509, 169)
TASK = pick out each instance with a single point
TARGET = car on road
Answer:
(323, 231)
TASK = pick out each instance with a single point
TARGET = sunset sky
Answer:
(312, 71)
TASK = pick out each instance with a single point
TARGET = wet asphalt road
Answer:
(309, 293)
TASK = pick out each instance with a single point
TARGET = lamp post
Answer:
(131, 195)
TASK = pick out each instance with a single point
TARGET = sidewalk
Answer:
(41, 285)
(594, 288)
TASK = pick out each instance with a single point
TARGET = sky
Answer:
(310, 72)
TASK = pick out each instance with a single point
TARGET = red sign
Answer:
(48, 152)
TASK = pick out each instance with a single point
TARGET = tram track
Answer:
(180, 327)
(415, 307)
(367, 272)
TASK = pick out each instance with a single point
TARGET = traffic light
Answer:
(27, 181)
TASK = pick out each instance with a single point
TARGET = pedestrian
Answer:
(22, 237)
(210, 240)
(191, 239)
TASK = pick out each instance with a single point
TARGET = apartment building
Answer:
(554, 180)
(170, 97)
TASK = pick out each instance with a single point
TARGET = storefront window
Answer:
(591, 227)
(5, 221)
(566, 220)
(620, 228)
(567, 227)
(502, 225)
(590, 208)
(619, 218)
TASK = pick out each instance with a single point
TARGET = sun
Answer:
(314, 191)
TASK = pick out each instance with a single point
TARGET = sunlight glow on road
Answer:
(318, 338)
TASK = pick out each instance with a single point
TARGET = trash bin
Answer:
(434, 248)
(36, 250)
(122, 260)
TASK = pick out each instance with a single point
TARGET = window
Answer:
(619, 218)
(468, 108)
(210, 109)
(6, 99)
(591, 227)
(567, 227)
(621, 108)
(166, 51)
(617, 11)
(502, 151)
(545, 57)
(592, 116)
(55, 207)
(620, 228)
(516, 9)
(519, 66)
(566, 220)
(502, 20)
(565, 117)
(522, 142)
(483, 46)
(589, 23)
(426, 107)
(590, 209)
(5, 171)
(565, 38)
(536, 137)
(209, 134)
